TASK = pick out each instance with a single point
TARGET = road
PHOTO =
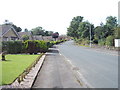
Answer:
(99, 69)
(55, 72)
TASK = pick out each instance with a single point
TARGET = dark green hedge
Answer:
(35, 46)
(29, 46)
(12, 47)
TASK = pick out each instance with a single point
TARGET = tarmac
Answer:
(56, 72)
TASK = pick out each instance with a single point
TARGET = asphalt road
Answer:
(55, 73)
(99, 68)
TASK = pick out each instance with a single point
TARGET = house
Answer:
(48, 38)
(22, 34)
(40, 37)
(8, 33)
(44, 38)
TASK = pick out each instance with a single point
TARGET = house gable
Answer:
(10, 33)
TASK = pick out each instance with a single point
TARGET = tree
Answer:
(38, 31)
(50, 33)
(111, 21)
(25, 37)
(99, 34)
(26, 30)
(84, 30)
(111, 24)
(18, 29)
(74, 25)
(117, 32)
(55, 35)
(110, 41)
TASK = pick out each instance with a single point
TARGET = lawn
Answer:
(14, 66)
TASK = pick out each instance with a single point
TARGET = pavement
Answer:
(56, 72)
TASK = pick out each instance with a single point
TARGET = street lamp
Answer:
(90, 34)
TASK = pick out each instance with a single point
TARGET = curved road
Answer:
(100, 69)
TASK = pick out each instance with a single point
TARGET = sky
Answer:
(55, 15)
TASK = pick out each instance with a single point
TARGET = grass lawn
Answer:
(14, 66)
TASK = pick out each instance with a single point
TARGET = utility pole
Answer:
(90, 34)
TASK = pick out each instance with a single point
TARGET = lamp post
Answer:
(90, 34)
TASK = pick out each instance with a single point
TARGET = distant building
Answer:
(40, 37)
(22, 34)
(8, 33)
(44, 38)
(47, 38)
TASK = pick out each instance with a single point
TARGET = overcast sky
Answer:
(55, 15)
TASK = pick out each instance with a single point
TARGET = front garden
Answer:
(14, 66)
(21, 57)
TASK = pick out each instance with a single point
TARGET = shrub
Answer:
(95, 41)
(35, 46)
(110, 41)
(12, 47)
(28, 46)
(25, 37)
(101, 42)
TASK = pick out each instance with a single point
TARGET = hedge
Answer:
(35, 46)
(29, 46)
(12, 47)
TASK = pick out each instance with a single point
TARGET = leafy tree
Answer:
(38, 31)
(99, 34)
(117, 32)
(25, 37)
(111, 21)
(26, 30)
(50, 33)
(102, 35)
(84, 30)
(46, 33)
(74, 25)
(18, 29)
(110, 41)
(55, 35)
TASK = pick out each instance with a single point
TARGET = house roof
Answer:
(47, 38)
(38, 37)
(5, 28)
(24, 33)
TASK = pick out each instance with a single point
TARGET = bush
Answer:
(12, 47)
(49, 44)
(101, 42)
(95, 41)
(35, 46)
(29, 46)
(110, 41)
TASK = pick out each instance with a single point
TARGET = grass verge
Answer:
(14, 66)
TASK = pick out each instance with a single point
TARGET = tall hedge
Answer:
(35, 46)
(29, 46)
(12, 47)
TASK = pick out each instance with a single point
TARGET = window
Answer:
(5, 38)
(13, 38)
